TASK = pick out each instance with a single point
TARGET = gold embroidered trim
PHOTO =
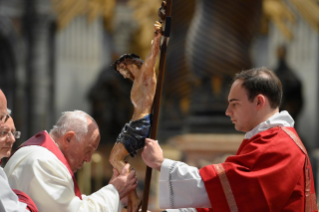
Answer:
(314, 202)
(226, 187)
(310, 200)
(296, 139)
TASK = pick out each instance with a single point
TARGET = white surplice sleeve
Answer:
(181, 186)
(107, 198)
(9, 201)
(182, 210)
(42, 176)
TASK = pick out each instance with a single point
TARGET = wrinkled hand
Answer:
(152, 154)
(125, 181)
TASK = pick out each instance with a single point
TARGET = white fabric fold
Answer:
(181, 186)
(9, 201)
(279, 119)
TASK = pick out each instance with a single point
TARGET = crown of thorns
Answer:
(133, 57)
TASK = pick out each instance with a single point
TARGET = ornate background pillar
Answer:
(37, 21)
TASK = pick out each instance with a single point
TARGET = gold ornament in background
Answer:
(145, 14)
(278, 12)
(67, 10)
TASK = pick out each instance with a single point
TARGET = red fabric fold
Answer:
(23, 197)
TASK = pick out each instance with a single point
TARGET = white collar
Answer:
(279, 119)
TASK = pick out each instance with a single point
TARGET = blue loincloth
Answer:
(134, 133)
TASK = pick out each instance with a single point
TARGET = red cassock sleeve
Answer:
(266, 174)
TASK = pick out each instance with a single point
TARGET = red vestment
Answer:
(23, 197)
(43, 139)
(270, 172)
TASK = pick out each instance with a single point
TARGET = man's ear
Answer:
(68, 138)
(260, 101)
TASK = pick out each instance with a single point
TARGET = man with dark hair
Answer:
(269, 85)
(271, 170)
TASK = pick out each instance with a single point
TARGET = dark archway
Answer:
(7, 59)
(11, 52)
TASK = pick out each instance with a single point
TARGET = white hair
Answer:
(72, 121)
(8, 111)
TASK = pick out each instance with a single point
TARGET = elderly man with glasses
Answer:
(10, 200)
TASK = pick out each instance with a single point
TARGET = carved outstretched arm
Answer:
(151, 57)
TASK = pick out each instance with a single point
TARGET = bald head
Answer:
(3, 103)
(3, 108)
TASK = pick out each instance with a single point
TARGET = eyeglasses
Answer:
(16, 134)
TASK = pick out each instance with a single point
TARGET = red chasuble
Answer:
(43, 139)
(270, 172)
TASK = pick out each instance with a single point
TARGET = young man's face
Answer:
(240, 110)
